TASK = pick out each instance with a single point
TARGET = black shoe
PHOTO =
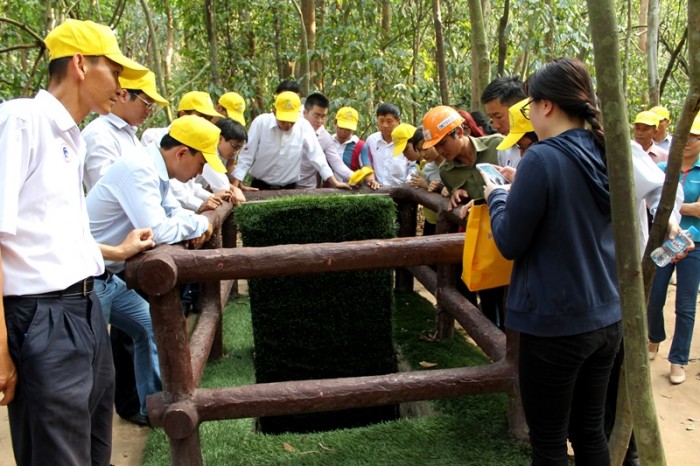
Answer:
(138, 419)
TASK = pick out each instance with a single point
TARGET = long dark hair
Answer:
(566, 82)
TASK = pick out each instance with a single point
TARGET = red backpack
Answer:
(355, 158)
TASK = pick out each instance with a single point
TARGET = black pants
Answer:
(260, 184)
(62, 411)
(563, 384)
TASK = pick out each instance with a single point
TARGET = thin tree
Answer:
(440, 53)
(482, 71)
(653, 51)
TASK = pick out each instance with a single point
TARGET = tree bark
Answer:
(609, 77)
(480, 73)
(155, 50)
(386, 19)
(653, 51)
(502, 40)
(307, 13)
(440, 53)
(643, 18)
(210, 22)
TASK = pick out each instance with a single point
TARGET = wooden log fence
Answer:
(181, 407)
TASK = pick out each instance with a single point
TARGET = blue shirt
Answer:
(691, 192)
(135, 193)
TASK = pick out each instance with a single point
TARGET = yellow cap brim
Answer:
(359, 175)
(235, 116)
(399, 148)
(289, 117)
(509, 141)
(345, 124)
(130, 69)
(214, 162)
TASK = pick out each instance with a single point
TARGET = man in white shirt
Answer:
(135, 192)
(53, 338)
(277, 142)
(645, 124)
(316, 112)
(109, 136)
(663, 137)
(498, 96)
(134, 350)
(389, 170)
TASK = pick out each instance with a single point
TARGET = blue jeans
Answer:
(563, 384)
(687, 281)
(129, 312)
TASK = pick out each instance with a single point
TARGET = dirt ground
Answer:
(678, 408)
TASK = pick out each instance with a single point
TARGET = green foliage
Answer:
(259, 43)
(327, 325)
(470, 431)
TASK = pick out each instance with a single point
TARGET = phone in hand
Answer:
(493, 174)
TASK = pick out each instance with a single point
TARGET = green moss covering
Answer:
(323, 325)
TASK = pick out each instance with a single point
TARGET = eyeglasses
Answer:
(525, 109)
(319, 116)
(236, 147)
(693, 139)
(149, 105)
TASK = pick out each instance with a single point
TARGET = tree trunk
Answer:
(609, 76)
(440, 53)
(626, 54)
(480, 73)
(305, 67)
(502, 40)
(653, 51)
(643, 12)
(386, 19)
(210, 22)
(155, 50)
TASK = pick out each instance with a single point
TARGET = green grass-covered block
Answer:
(323, 325)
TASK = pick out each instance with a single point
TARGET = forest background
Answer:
(414, 53)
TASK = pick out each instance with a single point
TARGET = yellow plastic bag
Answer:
(483, 266)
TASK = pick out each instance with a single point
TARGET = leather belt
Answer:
(82, 288)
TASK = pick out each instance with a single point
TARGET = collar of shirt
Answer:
(63, 119)
(154, 150)
(353, 138)
(119, 123)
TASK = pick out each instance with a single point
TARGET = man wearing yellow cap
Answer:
(192, 103)
(354, 151)
(135, 191)
(663, 137)
(521, 134)
(645, 125)
(277, 143)
(53, 338)
(109, 136)
(232, 105)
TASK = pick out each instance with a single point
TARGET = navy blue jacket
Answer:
(556, 224)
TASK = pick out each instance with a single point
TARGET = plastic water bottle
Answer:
(663, 255)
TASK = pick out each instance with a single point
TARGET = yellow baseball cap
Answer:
(647, 118)
(400, 136)
(199, 134)
(661, 112)
(695, 128)
(234, 105)
(519, 125)
(347, 118)
(359, 175)
(90, 39)
(145, 84)
(200, 102)
(287, 106)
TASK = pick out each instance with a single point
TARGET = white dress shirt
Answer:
(509, 157)
(135, 193)
(388, 170)
(153, 136)
(190, 195)
(274, 156)
(334, 159)
(107, 138)
(44, 232)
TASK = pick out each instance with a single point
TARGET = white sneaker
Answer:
(653, 349)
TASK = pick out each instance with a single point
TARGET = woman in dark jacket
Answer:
(555, 222)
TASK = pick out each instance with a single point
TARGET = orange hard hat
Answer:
(439, 122)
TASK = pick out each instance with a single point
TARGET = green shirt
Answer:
(457, 175)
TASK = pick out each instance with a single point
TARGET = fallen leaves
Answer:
(427, 365)
(291, 449)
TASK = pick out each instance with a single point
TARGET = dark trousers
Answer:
(563, 384)
(62, 411)
(611, 400)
